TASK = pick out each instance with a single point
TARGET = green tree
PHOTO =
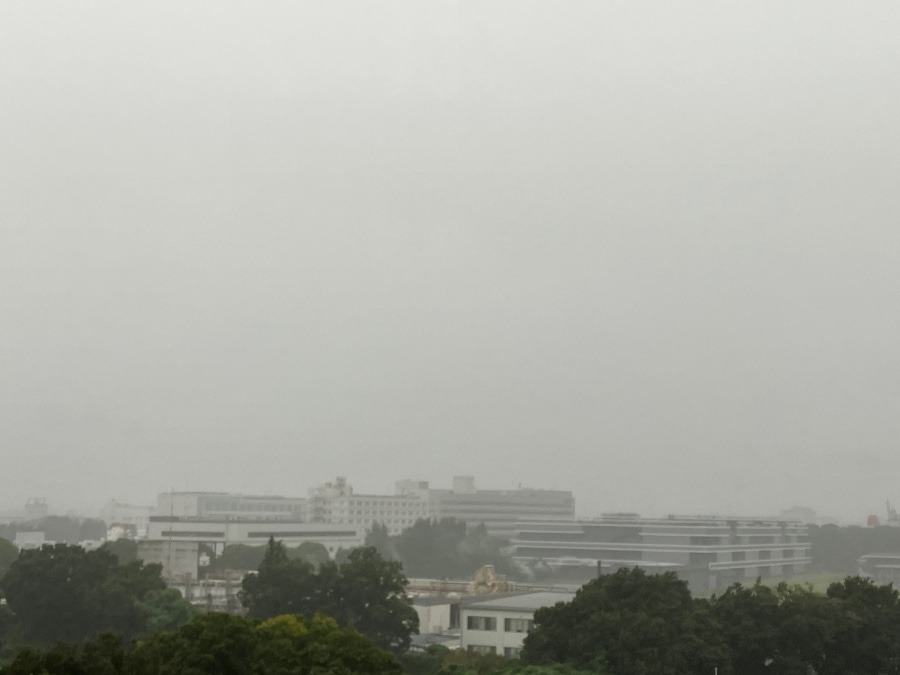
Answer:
(367, 593)
(281, 586)
(380, 539)
(8, 553)
(312, 552)
(63, 592)
(166, 610)
(868, 637)
(449, 549)
(749, 618)
(633, 623)
(101, 656)
(211, 643)
(284, 645)
(125, 550)
(240, 557)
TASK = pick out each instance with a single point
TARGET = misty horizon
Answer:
(646, 254)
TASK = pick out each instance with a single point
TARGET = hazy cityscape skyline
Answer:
(644, 253)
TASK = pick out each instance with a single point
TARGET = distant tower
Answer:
(35, 508)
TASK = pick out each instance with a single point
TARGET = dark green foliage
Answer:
(8, 553)
(9, 633)
(867, 639)
(427, 662)
(312, 552)
(66, 593)
(125, 550)
(244, 558)
(166, 610)
(632, 622)
(102, 656)
(367, 593)
(240, 557)
(219, 644)
(467, 663)
(342, 555)
(378, 538)
(854, 628)
(282, 586)
(449, 549)
(837, 549)
(748, 617)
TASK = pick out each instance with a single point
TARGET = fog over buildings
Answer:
(648, 253)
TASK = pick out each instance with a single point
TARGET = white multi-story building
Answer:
(498, 624)
(708, 552)
(499, 510)
(220, 531)
(127, 516)
(336, 503)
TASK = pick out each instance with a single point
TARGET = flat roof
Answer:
(431, 600)
(521, 602)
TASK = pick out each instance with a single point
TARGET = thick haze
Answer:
(649, 253)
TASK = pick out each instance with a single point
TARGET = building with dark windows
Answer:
(501, 511)
(498, 624)
(708, 552)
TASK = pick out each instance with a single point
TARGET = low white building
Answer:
(126, 516)
(336, 503)
(26, 541)
(230, 506)
(218, 531)
(179, 559)
(438, 614)
(498, 624)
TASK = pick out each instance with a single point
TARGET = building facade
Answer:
(230, 506)
(220, 531)
(708, 552)
(501, 511)
(498, 624)
(336, 503)
(127, 516)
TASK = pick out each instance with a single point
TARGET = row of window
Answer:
(508, 652)
(490, 623)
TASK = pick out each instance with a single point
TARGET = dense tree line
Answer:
(243, 557)
(63, 592)
(630, 622)
(366, 592)
(438, 660)
(218, 644)
(443, 549)
(837, 549)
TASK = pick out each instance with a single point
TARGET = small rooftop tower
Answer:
(464, 485)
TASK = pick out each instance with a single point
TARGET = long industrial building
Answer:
(499, 510)
(708, 552)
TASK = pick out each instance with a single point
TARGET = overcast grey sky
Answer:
(648, 252)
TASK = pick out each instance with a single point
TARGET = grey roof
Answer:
(428, 600)
(523, 602)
